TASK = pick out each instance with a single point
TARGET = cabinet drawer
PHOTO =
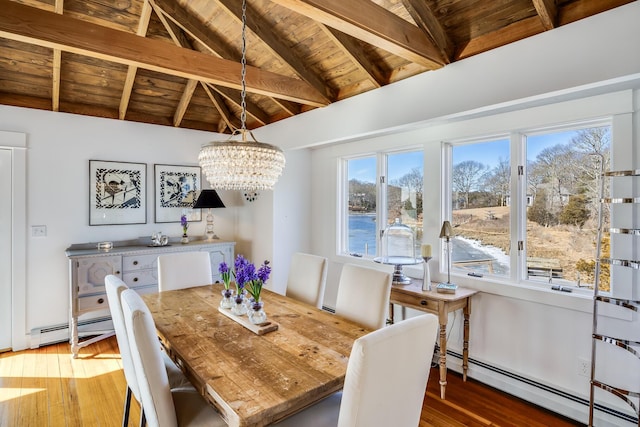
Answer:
(134, 279)
(96, 302)
(416, 303)
(139, 262)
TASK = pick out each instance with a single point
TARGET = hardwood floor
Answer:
(46, 387)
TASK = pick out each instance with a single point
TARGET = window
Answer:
(379, 189)
(524, 206)
(562, 185)
(480, 207)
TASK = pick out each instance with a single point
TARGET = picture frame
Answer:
(117, 192)
(176, 190)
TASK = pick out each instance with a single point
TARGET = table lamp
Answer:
(445, 233)
(209, 199)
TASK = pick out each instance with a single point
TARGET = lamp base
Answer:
(211, 236)
(209, 228)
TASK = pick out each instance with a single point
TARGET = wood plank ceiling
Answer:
(177, 62)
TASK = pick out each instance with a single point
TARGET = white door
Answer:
(5, 249)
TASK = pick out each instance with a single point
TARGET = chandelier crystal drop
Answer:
(241, 164)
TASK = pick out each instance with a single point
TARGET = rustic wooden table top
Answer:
(254, 380)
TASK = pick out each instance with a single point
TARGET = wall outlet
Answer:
(38, 231)
(584, 368)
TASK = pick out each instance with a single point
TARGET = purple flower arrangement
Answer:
(185, 224)
(246, 276)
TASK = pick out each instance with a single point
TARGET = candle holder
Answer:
(426, 277)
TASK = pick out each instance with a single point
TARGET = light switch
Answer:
(38, 231)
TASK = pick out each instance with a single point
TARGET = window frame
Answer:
(382, 169)
(518, 187)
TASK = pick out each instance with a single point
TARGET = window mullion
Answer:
(381, 204)
(518, 208)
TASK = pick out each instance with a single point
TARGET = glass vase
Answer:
(256, 313)
(228, 299)
(239, 307)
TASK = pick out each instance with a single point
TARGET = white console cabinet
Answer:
(135, 263)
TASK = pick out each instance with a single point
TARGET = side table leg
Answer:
(391, 313)
(443, 359)
(465, 346)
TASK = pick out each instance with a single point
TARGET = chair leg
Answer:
(127, 407)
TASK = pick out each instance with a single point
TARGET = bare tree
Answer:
(555, 162)
(467, 176)
(593, 144)
(412, 181)
(498, 180)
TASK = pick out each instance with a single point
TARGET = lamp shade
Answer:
(446, 231)
(208, 199)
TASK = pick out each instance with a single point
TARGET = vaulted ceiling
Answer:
(177, 62)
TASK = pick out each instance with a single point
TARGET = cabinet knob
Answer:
(135, 262)
(135, 279)
(423, 302)
(118, 272)
(100, 300)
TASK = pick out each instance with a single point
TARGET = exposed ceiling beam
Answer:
(357, 55)
(171, 10)
(143, 25)
(57, 62)
(548, 13)
(229, 120)
(516, 31)
(263, 30)
(234, 97)
(429, 23)
(365, 20)
(175, 33)
(35, 26)
(187, 94)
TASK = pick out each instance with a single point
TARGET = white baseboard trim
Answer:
(548, 397)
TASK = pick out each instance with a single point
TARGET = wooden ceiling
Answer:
(177, 62)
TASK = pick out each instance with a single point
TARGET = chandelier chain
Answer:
(242, 165)
(243, 93)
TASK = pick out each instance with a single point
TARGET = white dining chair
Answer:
(163, 406)
(183, 270)
(115, 286)
(363, 295)
(386, 380)
(307, 278)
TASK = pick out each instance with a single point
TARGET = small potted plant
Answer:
(185, 225)
(254, 288)
(227, 293)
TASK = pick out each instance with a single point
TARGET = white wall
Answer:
(59, 147)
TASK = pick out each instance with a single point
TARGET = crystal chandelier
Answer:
(241, 164)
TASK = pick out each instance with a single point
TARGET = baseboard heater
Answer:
(546, 388)
(60, 333)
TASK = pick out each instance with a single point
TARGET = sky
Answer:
(489, 153)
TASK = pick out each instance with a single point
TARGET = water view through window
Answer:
(402, 190)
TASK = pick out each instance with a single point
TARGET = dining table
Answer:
(254, 377)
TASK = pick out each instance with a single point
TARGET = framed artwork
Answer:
(176, 190)
(117, 193)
